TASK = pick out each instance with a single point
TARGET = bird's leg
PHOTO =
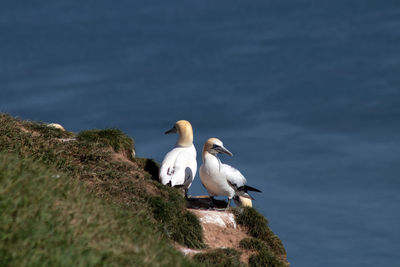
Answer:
(229, 202)
(186, 193)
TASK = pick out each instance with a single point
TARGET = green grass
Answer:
(82, 199)
(270, 250)
(256, 223)
(49, 219)
(265, 258)
(44, 130)
(109, 137)
(257, 226)
(182, 227)
(93, 162)
(226, 257)
(252, 244)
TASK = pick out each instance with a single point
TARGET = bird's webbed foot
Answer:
(212, 203)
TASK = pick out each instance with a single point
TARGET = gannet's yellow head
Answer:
(244, 202)
(185, 131)
(215, 146)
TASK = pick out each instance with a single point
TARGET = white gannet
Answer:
(221, 179)
(179, 166)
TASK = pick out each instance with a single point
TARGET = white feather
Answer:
(214, 176)
(233, 175)
(179, 166)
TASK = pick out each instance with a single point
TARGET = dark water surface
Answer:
(306, 94)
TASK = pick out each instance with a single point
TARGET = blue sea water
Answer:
(306, 94)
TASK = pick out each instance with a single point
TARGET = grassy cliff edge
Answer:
(85, 199)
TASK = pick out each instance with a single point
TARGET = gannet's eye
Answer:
(215, 146)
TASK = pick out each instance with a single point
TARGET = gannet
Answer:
(57, 126)
(244, 201)
(221, 179)
(179, 166)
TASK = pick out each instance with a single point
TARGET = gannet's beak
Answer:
(222, 149)
(172, 130)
